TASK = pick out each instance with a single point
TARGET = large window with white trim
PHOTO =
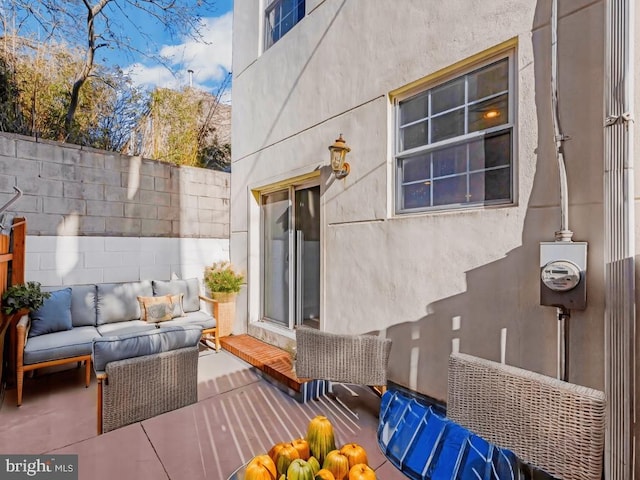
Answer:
(280, 17)
(455, 141)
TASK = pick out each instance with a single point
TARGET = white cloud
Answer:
(210, 60)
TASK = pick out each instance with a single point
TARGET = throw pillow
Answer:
(155, 309)
(54, 315)
(177, 309)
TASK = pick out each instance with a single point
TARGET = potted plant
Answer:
(23, 297)
(223, 283)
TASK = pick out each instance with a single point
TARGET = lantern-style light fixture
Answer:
(339, 150)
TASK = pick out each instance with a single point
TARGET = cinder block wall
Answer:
(146, 219)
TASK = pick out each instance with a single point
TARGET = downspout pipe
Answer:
(619, 241)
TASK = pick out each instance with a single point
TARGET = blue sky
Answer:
(210, 62)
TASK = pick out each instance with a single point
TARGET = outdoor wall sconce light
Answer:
(339, 151)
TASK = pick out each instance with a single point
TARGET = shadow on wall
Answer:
(498, 316)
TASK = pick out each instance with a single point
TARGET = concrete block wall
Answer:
(73, 190)
(96, 216)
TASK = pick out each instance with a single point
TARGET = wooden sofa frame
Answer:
(22, 331)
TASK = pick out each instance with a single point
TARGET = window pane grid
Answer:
(465, 145)
(466, 104)
(280, 17)
(428, 195)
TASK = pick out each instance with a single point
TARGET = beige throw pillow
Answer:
(177, 305)
(156, 309)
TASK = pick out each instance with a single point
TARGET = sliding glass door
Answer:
(291, 256)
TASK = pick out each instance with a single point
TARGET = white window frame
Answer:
(268, 28)
(467, 138)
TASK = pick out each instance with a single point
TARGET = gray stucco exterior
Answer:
(458, 279)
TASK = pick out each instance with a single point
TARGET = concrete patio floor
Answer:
(238, 415)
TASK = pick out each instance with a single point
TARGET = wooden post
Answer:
(17, 258)
(19, 238)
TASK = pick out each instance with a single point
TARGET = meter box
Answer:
(563, 274)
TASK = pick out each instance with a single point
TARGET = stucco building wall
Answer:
(96, 216)
(434, 281)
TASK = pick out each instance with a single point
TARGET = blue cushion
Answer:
(54, 315)
(111, 349)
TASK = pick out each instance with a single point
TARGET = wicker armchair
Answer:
(145, 374)
(553, 425)
(359, 359)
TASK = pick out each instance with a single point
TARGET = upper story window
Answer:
(280, 17)
(454, 142)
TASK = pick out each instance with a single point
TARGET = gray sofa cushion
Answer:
(201, 318)
(83, 304)
(189, 287)
(110, 349)
(54, 346)
(118, 302)
(54, 315)
(124, 328)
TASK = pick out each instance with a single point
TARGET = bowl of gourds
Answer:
(314, 457)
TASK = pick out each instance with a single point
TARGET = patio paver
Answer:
(238, 415)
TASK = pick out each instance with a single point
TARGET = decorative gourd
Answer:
(355, 453)
(324, 474)
(315, 464)
(303, 448)
(320, 437)
(299, 470)
(337, 463)
(261, 467)
(361, 471)
(284, 457)
(274, 450)
(283, 477)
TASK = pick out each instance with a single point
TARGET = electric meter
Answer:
(560, 275)
(563, 274)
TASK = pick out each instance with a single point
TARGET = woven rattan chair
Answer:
(553, 425)
(358, 359)
(145, 374)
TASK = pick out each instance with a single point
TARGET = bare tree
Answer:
(105, 24)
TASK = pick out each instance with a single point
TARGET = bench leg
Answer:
(87, 372)
(20, 382)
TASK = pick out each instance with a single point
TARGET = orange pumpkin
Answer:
(274, 450)
(355, 453)
(337, 464)
(261, 467)
(303, 448)
(361, 471)
(324, 474)
(284, 457)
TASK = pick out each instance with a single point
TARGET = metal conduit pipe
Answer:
(619, 247)
(564, 234)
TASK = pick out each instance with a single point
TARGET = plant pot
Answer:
(224, 297)
(224, 311)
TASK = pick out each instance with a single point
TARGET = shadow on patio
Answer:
(238, 415)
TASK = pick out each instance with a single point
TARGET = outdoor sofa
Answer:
(144, 374)
(64, 329)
